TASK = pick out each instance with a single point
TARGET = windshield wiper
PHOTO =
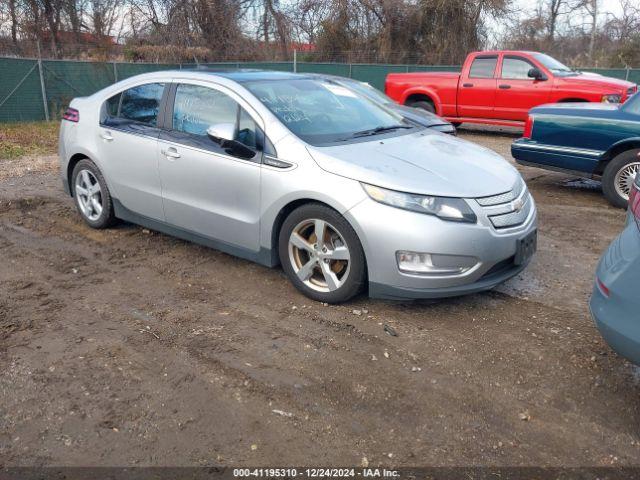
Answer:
(377, 130)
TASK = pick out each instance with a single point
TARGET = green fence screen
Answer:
(27, 85)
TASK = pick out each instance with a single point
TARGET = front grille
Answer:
(509, 209)
(503, 197)
(513, 218)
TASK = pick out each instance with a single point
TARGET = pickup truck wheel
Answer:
(424, 105)
(618, 177)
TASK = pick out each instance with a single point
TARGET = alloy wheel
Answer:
(89, 194)
(624, 179)
(319, 255)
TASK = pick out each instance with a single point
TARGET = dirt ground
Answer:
(129, 347)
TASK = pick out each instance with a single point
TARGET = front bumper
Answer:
(385, 230)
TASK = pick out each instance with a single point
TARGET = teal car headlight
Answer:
(612, 98)
(446, 208)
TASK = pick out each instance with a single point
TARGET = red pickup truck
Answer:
(499, 87)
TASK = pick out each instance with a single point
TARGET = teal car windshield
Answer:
(322, 112)
(554, 65)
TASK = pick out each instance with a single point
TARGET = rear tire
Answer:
(321, 254)
(618, 177)
(91, 195)
(424, 105)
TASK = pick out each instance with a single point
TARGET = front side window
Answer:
(483, 67)
(321, 112)
(516, 68)
(142, 103)
(196, 108)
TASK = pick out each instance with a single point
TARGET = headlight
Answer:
(454, 209)
(612, 98)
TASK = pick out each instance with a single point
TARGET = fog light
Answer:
(435, 264)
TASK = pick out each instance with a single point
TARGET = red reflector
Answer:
(634, 201)
(528, 127)
(603, 288)
(71, 114)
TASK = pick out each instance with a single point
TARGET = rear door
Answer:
(477, 88)
(128, 146)
(209, 188)
(517, 93)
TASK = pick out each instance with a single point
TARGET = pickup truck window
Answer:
(483, 67)
(516, 68)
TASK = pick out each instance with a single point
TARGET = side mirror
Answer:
(536, 74)
(222, 132)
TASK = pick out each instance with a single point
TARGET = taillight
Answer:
(528, 127)
(71, 114)
(602, 287)
(634, 200)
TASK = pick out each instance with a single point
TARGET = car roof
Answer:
(247, 75)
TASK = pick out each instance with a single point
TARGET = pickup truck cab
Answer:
(499, 87)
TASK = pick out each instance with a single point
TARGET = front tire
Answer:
(321, 254)
(618, 177)
(91, 195)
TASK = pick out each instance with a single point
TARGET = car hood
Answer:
(597, 80)
(423, 162)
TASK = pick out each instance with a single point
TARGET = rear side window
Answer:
(516, 68)
(483, 67)
(142, 103)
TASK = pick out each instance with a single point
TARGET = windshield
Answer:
(321, 112)
(366, 90)
(554, 65)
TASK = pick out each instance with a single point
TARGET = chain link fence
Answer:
(32, 89)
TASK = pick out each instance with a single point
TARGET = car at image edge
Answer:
(615, 301)
(285, 169)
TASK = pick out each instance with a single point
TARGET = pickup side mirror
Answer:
(222, 132)
(536, 74)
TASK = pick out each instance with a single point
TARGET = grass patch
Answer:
(28, 138)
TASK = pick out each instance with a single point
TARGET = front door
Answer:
(128, 148)
(517, 93)
(209, 187)
(477, 88)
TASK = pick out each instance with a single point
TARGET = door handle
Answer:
(467, 85)
(504, 86)
(170, 153)
(106, 136)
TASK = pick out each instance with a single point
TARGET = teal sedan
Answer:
(588, 139)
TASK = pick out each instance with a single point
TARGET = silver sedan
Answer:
(299, 171)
